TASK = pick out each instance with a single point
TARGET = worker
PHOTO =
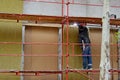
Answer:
(85, 46)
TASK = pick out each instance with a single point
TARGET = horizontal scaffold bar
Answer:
(30, 71)
(55, 71)
(55, 19)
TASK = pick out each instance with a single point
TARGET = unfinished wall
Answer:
(89, 8)
(95, 9)
(75, 62)
(45, 51)
(10, 31)
(95, 36)
(43, 8)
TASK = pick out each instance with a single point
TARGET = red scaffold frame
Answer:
(55, 19)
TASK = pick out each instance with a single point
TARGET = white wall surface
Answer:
(89, 8)
(97, 11)
(41, 8)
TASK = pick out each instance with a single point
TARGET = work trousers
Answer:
(86, 52)
(87, 58)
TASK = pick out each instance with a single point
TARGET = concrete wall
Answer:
(95, 10)
(42, 8)
(77, 9)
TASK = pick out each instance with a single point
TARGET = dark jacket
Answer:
(83, 34)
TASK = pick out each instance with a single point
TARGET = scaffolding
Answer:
(59, 20)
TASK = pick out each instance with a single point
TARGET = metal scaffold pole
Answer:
(67, 39)
(105, 45)
(118, 38)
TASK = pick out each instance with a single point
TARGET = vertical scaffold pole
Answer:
(105, 45)
(62, 8)
(118, 35)
(62, 38)
(67, 39)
